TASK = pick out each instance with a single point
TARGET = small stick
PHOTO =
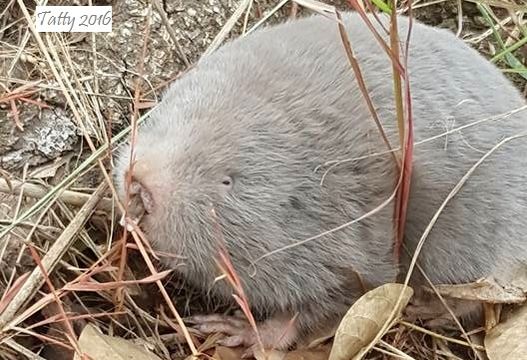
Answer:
(52, 257)
(75, 198)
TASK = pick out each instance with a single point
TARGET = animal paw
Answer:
(236, 328)
(278, 332)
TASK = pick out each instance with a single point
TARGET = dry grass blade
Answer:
(119, 296)
(362, 85)
(439, 336)
(52, 257)
(137, 235)
(393, 351)
(230, 274)
(164, 293)
(9, 294)
(67, 326)
(501, 4)
(499, 117)
(171, 32)
(407, 136)
(226, 29)
(396, 75)
(401, 103)
(43, 338)
(228, 270)
(58, 318)
(32, 309)
(267, 16)
(95, 286)
(25, 89)
(88, 274)
(404, 122)
(395, 61)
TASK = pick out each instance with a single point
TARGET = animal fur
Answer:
(267, 112)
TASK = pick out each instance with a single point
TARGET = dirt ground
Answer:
(48, 135)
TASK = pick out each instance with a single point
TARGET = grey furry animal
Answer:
(236, 152)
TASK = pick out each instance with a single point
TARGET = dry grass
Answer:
(64, 261)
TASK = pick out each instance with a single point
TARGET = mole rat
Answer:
(268, 141)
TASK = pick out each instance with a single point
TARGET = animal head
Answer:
(208, 171)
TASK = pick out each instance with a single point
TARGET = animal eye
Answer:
(227, 181)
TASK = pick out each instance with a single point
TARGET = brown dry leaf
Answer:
(365, 319)
(487, 290)
(103, 347)
(508, 340)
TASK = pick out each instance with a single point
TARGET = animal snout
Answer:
(138, 199)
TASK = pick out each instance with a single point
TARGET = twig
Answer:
(37, 191)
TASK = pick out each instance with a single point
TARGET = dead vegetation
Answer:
(66, 266)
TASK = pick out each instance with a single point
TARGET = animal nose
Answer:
(140, 200)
